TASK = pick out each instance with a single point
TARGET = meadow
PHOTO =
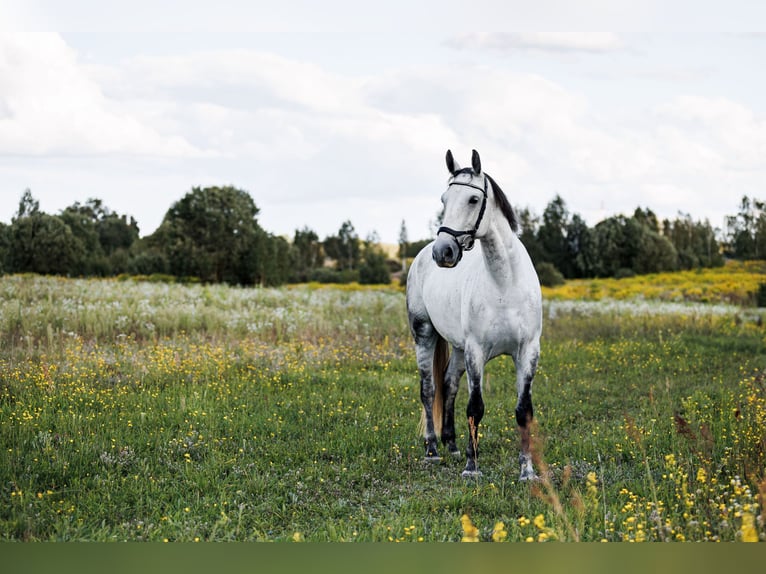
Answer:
(134, 411)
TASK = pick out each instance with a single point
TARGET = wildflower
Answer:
(701, 475)
(298, 537)
(749, 532)
(540, 521)
(498, 532)
(470, 532)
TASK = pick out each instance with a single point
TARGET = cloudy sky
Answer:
(328, 111)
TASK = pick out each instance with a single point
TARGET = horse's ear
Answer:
(452, 166)
(476, 162)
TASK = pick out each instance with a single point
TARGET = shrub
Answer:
(624, 273)
(760, 295)
(548, 275)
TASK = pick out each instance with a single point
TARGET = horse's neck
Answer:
(500, 249)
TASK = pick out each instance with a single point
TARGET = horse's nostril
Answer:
(448, 253)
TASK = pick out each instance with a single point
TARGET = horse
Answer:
(473, 288)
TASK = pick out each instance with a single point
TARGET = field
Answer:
(149, 411)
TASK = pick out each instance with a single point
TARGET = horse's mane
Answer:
(505, 205)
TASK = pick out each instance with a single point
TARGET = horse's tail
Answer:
(441, 358)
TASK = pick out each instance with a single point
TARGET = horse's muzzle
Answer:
(446, 251)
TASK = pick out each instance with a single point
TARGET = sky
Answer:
(332, 111)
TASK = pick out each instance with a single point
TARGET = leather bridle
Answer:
(465, 238)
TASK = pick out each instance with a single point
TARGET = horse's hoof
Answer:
(528, 477)
(471, 474)
(456, 454)
(434, 459)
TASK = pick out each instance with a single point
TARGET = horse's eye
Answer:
(473, 200)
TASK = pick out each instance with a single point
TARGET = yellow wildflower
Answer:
(498, 532)
(470, 532)
(540, 521)
(749, 532)
(298, 537)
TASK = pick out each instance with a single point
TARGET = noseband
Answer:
(465, 239)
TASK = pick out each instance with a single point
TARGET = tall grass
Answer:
(138, 411)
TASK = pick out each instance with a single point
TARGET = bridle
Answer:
(465, 239)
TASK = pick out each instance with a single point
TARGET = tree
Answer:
(552, 233)
(529, 223)
(580, 248)
(608, 239)
(272, 267)
(40, 243)
(655, 253)
(344, 247)
(5, 244)
(212, 233)
(307, 254)
(403, 244)
(373, 268)
(741, 231)
(694, 241)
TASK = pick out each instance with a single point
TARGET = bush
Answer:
(624, 273)
(760, 295)
(327, 275)
(548, 275)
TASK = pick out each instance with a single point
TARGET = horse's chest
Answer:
(490, 320)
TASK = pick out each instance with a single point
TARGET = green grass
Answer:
(138, 411)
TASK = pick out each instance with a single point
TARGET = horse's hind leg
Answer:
(526, 366)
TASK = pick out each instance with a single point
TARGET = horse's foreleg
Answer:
(425, 352)
(474, 364)
(455, 371)
(525, 369)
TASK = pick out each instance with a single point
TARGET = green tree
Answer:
(552, 233)
(695, 242)
(272, 266)
(5, 244)
(655, 253)
(41, 243)
(530, 224)
(373, 268)
(307, 254)
(741, 231)
(580, 248)
(212, 233)
(403, 244)
(106, 237)
(608, 239)
(344, 247)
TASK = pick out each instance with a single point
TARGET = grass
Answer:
(146, 411)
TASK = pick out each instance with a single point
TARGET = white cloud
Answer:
(717, 132)
(48, 105)
(555, 42)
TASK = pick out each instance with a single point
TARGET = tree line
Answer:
(213, 234)
(563, 246)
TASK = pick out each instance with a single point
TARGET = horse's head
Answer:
(465, 202)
